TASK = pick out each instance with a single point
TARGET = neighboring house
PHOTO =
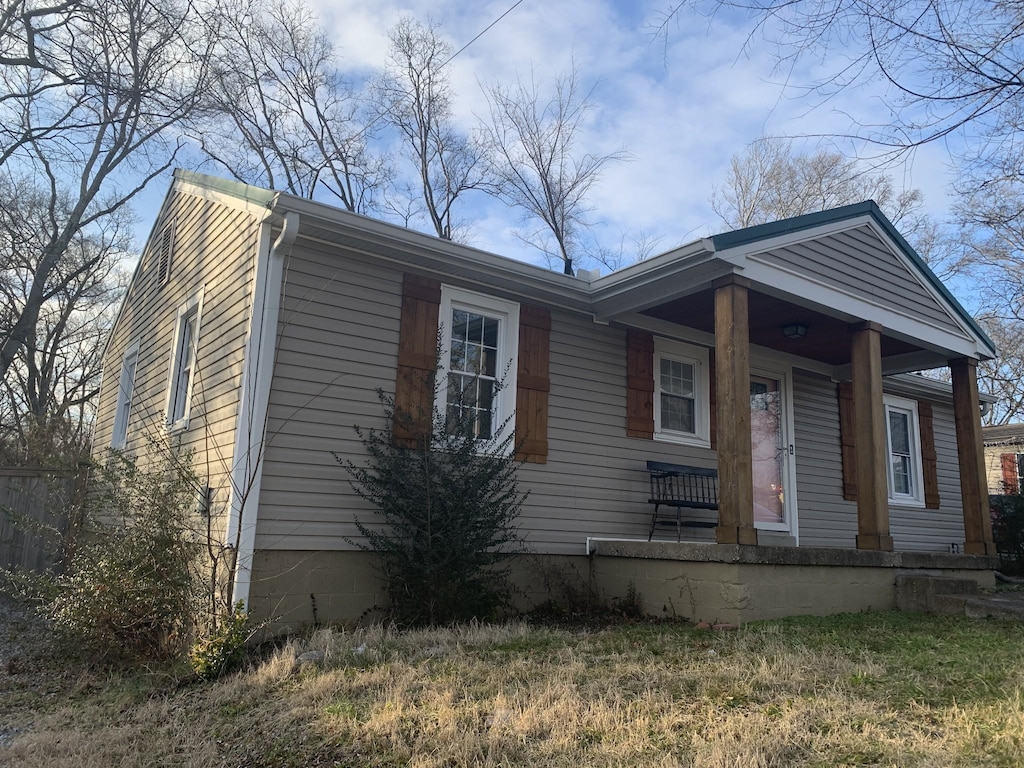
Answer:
(1004, 458)
(258, 327)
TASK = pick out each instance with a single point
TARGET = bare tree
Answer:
(536, 163)
(414, 96)
(101, 133)
(947, 65)
(49, 389)
(768, 182)
(287, 118)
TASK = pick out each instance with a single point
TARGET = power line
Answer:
(485, 30)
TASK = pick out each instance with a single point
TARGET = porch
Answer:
(838, 294)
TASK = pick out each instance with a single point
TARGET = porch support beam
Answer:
(973, 487)
(732, 374)
(872, 483)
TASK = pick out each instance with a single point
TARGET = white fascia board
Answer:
(388, 242)
(614, 297)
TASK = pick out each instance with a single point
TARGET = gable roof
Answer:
(763, 232)
(943, 325)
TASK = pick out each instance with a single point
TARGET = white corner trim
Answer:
(251, 426)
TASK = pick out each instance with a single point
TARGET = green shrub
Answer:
(133, 585)
(447, 511)
(1008, 531)
(223, 649)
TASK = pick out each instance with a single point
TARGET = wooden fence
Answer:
(37, 505)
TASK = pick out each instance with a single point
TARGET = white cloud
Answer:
(681, 116)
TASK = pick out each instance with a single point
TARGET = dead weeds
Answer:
(871, 689)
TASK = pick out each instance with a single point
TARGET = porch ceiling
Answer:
(827, 339)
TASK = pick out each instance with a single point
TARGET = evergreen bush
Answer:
(447, 504)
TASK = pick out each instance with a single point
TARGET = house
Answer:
(1004, 458)
(259, 325)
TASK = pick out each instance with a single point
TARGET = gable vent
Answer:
(164, 249)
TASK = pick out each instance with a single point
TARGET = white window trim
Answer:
(193, 304)
(508, 351)
(915, 499)
(125, 393)
(698, 358)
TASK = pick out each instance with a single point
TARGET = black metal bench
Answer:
(678, 487)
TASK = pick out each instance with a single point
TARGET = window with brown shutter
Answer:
(926, 436)
(639, 384)
(533, 382)
(417, 368)
(417, 359)
(929, 458)
(1008, 464)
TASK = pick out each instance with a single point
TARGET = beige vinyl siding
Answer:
(339, 331)
(917, 528)
(214, 250)
(338, 342)
(826, 519)
(339, 339)
(857, 261)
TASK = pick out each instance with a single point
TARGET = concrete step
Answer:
(920, 593)
(998, 606)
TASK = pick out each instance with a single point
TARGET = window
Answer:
(125, 390)
(183, 363)
(681, 402)
(904, 449)
(479, 353)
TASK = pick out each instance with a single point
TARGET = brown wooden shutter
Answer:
(533, 382)
(1008, 464)
(713, 399)
(929, 458)
(417, 359)
(847, 432)
(639, 384)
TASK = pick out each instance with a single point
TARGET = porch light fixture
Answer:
(794, 330)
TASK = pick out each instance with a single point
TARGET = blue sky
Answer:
(679, 110)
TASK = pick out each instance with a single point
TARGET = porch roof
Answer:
(825, 271)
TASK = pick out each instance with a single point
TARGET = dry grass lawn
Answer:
(880, 689)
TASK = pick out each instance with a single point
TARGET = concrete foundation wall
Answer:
(736, 584)
(699, 582)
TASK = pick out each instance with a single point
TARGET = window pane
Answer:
(676, 378)
(677, 414)
(476, 328)
(901, 475)
(472, 379)
(491, 332)
(899, 432)
(460, 322)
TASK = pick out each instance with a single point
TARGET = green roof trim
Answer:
(237, 189)
(870, 208)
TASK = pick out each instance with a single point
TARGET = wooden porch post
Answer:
(872, 482)
(732, 375)
(973, 490)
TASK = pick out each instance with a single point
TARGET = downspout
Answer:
(251, 430)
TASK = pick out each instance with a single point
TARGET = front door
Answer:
(770, 451)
